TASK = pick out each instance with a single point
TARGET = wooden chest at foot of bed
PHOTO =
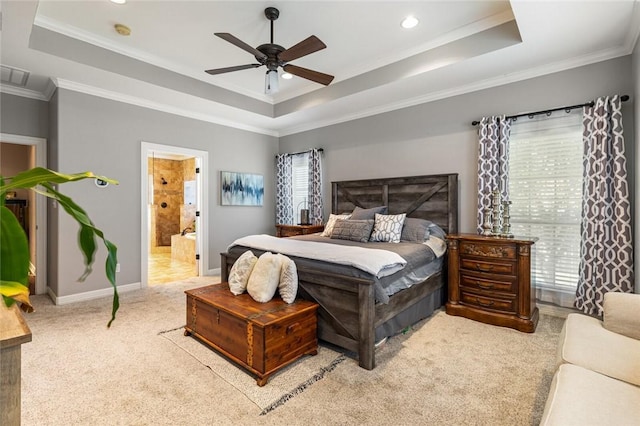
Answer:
(260, 337)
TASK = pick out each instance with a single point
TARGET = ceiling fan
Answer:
(274, 56)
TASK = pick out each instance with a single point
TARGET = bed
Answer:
(351, 314)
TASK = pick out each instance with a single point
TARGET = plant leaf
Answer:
(39, 175)
(14, 258)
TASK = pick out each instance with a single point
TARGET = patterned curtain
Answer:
(606, 251)
(315, 187)
(284, 190)
(493, 161)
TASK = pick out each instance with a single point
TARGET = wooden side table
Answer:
(490, 280)
(291, 230)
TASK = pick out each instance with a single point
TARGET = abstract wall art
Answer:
(241, 189)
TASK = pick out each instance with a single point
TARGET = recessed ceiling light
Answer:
(287, 76)
(409, 22)
(118, 1)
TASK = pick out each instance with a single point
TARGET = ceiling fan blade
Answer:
(316, 76)
(305, 47)
(242, 45)
(230, 69)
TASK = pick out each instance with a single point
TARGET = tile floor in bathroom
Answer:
(163, 269)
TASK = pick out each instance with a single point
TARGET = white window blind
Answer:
(545, 188)
(300, 184)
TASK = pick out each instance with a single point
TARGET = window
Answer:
(545, 188)
(300, 183)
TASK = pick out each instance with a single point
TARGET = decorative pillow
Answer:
(436, 231)
(353, 230)
(415, 230)
(264, 278)
(388, 228)
(288, 287)
(620, 313)
(331, 221)
(366, 214)
(240, 272)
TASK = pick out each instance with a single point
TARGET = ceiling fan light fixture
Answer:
(118, 1)
(409, 22)
(286, 76)
(271, 82)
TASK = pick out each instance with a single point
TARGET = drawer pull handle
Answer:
(484, 286)
(490, 303)
(292, 327)
(484, 268)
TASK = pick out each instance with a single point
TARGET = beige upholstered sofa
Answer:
(598, 378)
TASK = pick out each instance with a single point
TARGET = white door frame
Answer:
(40, 145)
(202, 202)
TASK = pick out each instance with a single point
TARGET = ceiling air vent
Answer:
(14, 76)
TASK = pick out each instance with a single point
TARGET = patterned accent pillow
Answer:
(331, 222)
(353, 230)
(264, 278)
(288, 287)
(240, 272)
(366, 214)
(388, 228)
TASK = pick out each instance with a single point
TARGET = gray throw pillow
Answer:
(353, 230)
(366, 214)
(415, 230)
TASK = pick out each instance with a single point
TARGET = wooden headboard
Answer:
(432, 197)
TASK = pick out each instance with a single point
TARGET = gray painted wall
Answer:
(105, 137)
(437, 137)
(24, 116)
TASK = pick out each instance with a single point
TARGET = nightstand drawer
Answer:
(484, 283)
(487, 302)
(491, 266)
(494, 251)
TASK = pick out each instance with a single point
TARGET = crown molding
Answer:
(134, 100)
(104, 43)
(564, 65)
(21, 91)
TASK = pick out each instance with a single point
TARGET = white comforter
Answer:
(374, 261)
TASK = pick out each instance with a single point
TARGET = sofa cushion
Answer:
(581, 397)
(622, 314)
(585, 342)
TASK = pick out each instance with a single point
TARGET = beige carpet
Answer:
(446, 371)
(281, 387)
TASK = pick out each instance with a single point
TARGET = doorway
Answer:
(174, 232)
(32, 153)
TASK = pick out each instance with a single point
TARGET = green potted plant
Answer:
(14, 247)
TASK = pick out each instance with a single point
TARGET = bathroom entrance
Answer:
(173, 196)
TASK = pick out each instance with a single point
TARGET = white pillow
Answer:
(288, 287)
(328, 228)
(388, 228)
(240, 272)
(264, 278)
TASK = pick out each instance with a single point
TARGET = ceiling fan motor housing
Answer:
(272, 51)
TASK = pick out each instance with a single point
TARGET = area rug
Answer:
(281, 387)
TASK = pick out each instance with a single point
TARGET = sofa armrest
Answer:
(585, 342)
(622, 314)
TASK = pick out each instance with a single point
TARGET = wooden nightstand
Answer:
(291, 230)
(490, 280)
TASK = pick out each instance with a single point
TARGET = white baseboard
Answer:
(215, 271)
(90, 295)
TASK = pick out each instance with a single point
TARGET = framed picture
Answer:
(241, 189)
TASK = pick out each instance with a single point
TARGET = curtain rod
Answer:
(623, 98)
(302, 152)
